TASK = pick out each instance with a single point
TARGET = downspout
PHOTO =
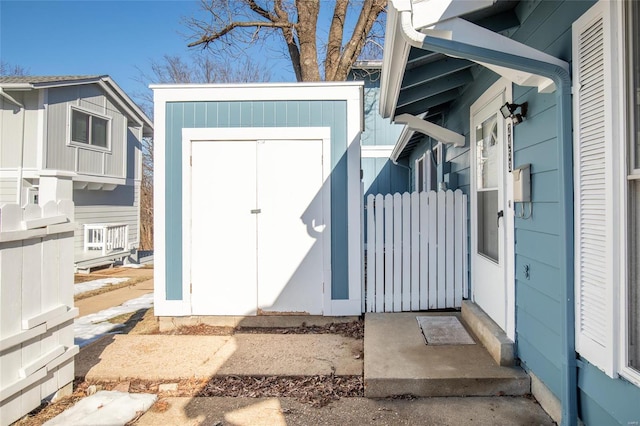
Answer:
(562, 78)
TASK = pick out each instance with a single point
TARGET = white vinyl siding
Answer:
(594, 134)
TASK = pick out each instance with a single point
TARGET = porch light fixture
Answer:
(508, 110)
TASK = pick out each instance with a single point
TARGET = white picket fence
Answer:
(416, 251)
(36, 305)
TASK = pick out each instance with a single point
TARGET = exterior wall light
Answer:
(509, 111)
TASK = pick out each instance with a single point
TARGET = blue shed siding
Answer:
(331, 114)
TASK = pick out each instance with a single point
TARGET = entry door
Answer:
(490, 211)
(258, 205)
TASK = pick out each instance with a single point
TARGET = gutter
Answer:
(559, 73)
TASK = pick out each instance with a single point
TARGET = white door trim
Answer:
(253, 134)
(506, 87)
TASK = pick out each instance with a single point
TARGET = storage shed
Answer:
(257, 199)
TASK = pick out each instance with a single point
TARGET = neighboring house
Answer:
(78, 138)
(257, 199)
(553, 200)
(379, 174)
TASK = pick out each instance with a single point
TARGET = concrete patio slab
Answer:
(346, 411)
(169, 357)
(398, 362)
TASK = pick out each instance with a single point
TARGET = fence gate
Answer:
(416, 251)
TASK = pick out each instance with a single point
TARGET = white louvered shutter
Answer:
(593, 138)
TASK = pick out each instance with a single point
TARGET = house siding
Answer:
(61, 156)
(8, 190)
(331, 114)
(12, 129)
(379, 175)
(539, 307)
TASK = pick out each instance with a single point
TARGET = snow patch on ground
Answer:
(132, 265)
(93, 326)
(104, 408)
(96, 284)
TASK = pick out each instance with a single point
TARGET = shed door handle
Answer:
(500, 214)
(256, 211)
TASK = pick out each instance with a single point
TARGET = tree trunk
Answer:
(306, 30)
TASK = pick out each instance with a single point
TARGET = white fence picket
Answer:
(424, 251)
(416, 251)
(397, 252)
(388, 253)
(442, 247)
(459, 242)
(432, 260)
(371, 255)
(449, 250)
(379, 230)
(36, 305)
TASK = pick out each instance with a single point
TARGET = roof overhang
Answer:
(409, 23)
(129, 107)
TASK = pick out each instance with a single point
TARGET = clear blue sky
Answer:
(97, 37)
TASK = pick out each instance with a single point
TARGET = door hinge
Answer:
(190, 288)
(191, 161)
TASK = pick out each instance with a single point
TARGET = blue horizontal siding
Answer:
(181, 115)
(606, 401)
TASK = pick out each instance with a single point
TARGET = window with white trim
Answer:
(606, 95)
(90, 129)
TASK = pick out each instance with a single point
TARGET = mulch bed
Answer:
(354, 329)
(317, 391)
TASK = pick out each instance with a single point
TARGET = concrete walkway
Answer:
(169, 357)
(494, 411)
(166, 358)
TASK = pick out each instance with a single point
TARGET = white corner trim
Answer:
(428, 128)
(257, 92)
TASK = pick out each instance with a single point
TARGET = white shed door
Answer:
(223, 230)
(266, 222)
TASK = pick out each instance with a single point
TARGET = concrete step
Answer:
(398, 362)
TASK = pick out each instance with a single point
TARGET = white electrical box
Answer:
(522, 184)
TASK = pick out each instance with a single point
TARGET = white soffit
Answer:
(396, 51)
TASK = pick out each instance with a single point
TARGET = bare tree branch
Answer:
(368, 15)
(231, 26)
(257, 24)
